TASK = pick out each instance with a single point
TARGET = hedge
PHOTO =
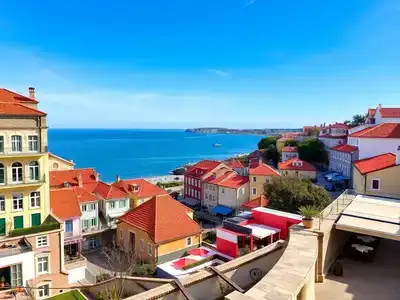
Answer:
(35, 229)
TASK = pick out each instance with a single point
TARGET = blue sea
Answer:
(143, 153)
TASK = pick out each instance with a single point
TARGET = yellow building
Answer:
(24, 170)
(57, 163)
(296, 167)
(259, 175)
(138, 190)
(160, 230)
(378, 175)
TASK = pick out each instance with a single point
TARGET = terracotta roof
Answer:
(384, 130)
(57, 178)
(12, 97)
(234, 182)
(17, 109)
(163, 218)
(262, 169)
(256, 202)
(60, 158)
(390, 112)
(289, 149)
(143, 188)
(202, 167)
(64, 203)
(105, 191)
(292, 164)
(375, 163)
(345, 148)
(234, 164)
(338, 125)
(215, 180)
(84, 196)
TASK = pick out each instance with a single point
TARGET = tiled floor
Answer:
(366, 281)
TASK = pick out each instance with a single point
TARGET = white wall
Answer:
(26, 259)
(76, 227)
(372, 147)
(234, 197)
(379, 119)
(76, 274)
(116, 210)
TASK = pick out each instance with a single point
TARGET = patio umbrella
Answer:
(180, 263)
(198, 252)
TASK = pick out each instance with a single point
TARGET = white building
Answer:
(383, 115)
(333, 135)
(234, 191)
(289, 152)
(379, 139)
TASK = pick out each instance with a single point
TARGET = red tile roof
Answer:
(215, 180)
(16, 109)
(289, 149)
(257, 202)
(338, 125)
(234, 182)
(84, 196)
(375, 163)
(202, 167)
(105, 191)
(163, 218)
(384, 130)
(12, 97)
(292, 164)
(57, 178)
(234, 164)
(144, 188)
(262, 169)
(390, 112)
(345, 148)
(64, 203)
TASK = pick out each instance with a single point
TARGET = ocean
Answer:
(133, 153)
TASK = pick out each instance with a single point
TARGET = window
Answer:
(16, 143)
(42, 265)
(254, 191)
(42, 241)
(206, 195)
(122, 203)
(1, 143)
(44, 291)
(18, 200)
(213, 197)
(141, 245)
(188, 241)
(111, 204)
(33, 143)
(214, 188)
(16, 275)
(267, 180)
(254, 179)
(34, 170)
(375, 184)
(92, 243)
(35, 199)
(150, 249)
(84, 207)
(55, 166)
(68, 226)
(2, 174)
(92, 206)
(222, 190)
(85, 223)
(2, 204)
(16, 170)
(93, 222)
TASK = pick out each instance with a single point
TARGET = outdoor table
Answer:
(366, 239)
(363, 252)
(362, 248)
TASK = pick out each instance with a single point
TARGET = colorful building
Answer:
(259, 175)
(333, 135)
(296, 167)
(378, 175)
(159, 230)
(289, 152)
(138, 190)
(57, 163)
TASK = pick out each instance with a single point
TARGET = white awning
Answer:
(115, 215)
(262, 231)
(374, 216)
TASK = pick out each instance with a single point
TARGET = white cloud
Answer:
(218, 72)
(251, 2)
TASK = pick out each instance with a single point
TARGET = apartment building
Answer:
(296, 167)
(333, 135)
(289, 152)
(341, 158)
(259, 175)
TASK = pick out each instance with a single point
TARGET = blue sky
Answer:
(189, 63)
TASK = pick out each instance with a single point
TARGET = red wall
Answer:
(283, 223)
(227, 247)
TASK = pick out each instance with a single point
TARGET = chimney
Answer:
(260, 201)
(398, 156)
(117, 179)
(80, 183)
(31, 91)
(379, 106)
(97, 176)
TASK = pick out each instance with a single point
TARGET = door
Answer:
(36, 219)
(132, 241)
(2, 226)
(18, 222)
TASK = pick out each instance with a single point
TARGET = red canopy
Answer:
(180, 263)
(198, 252)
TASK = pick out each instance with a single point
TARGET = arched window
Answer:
(16, 169)
(2, 173)
(55, 166)
(34, 170)
(16, 143)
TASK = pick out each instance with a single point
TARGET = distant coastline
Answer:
(265, 131)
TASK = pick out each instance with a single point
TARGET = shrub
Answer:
(35, 229)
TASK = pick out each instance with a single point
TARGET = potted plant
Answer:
(2, 281)
(308, 213)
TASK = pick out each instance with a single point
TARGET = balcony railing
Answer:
(15, 248)
(11, 182)
(9, 151)
(89, 230)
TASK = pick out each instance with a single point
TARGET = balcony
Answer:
(92, 230)
(10, 152)
(10, 183)
(14, 248)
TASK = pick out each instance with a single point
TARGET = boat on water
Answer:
(217, 145)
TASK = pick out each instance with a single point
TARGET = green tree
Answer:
(290, 193)
(271, 153)
(357, 120)
(292, 143)
(267, 141)
(313, 151)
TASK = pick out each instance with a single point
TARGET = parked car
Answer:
(330, 175)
